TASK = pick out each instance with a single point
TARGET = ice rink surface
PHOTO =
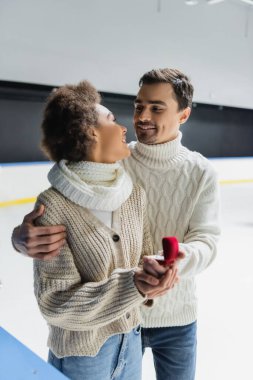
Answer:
(225, 290)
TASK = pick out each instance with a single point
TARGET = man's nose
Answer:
(145, 115)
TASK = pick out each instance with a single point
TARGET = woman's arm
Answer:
(66, 302)
(63, 297)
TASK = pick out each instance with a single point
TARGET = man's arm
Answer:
(200, 241)
(42, 243)
(45, 242)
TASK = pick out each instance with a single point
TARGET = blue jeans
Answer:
(119, 359)
(174, 351)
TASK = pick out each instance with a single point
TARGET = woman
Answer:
(88, 294)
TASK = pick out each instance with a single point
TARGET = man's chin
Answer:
(147, 141)
(144, 139)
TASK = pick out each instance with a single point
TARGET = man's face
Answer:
(156, 116)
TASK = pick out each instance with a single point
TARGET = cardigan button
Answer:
(115, 238)
(127, 315)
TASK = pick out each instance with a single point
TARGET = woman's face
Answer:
(110, 138)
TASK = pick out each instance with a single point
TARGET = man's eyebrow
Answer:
(138, 101)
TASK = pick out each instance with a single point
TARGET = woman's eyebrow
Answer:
(109, 115)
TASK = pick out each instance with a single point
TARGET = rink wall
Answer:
(215, 131)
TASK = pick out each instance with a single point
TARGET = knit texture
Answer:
(182, 201)
(94, 185)
(87, 293)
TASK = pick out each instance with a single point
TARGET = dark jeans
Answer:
(174, 351)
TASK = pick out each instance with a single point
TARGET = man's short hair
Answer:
(180, 83)
(69, 114)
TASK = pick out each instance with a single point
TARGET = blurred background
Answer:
(44, 44)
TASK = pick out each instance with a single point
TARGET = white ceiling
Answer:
(112, 42)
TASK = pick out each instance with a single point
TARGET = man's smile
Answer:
(145, 127)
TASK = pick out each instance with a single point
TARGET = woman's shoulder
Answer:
(51, 197)
(55, 205)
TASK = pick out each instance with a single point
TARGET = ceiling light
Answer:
(248, 1)
(191, 2)
(210, 2)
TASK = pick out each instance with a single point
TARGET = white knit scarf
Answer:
(93, 185)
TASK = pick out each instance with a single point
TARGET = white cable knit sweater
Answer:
(183, 201)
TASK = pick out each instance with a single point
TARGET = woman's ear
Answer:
(94, 133)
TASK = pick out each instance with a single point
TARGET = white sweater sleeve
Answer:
(200, 241)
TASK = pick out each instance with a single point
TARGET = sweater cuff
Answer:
(143, 298)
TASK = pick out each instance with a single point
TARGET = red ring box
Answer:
(170, 251)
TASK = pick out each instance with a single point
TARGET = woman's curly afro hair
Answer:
(69, 114)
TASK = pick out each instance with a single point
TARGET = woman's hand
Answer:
(151, 286)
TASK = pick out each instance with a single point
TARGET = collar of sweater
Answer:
(160, 156)
(92, 185)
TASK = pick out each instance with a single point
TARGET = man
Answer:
(183, 201)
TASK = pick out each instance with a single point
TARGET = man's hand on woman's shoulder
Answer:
(38, 242)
